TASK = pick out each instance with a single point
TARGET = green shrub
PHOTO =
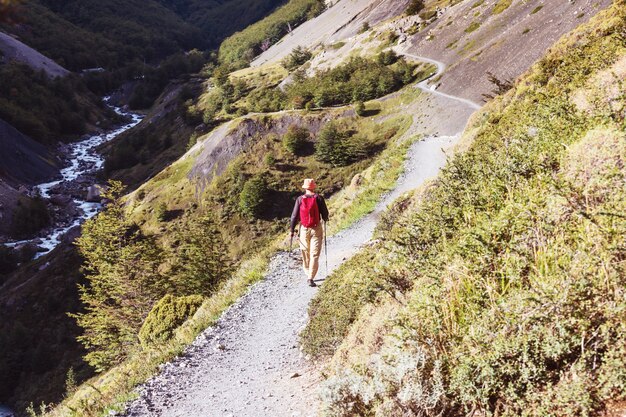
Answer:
(296, 58)
(161, 212)
(428, 14)
(365, 26)
(472, 27)
(269, 160)
(359, 108)
(387, 57)
(253, 196)
(166, 316)
(295, 139)
(415, 6)
(338, 146)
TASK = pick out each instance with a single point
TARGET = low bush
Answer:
(348, 287)
(166, 316)
(501, 6)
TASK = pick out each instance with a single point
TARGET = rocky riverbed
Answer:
(74, 196)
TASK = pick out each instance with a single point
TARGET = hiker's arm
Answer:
(323, 209)
(295, 214)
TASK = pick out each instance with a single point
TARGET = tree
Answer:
(295, 139)
(252, 197)
(387, 57)
(201, 258)
(121, 268)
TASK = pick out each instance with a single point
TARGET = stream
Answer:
(84, 161)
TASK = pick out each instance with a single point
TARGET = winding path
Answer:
(249, 363)
(441, 67)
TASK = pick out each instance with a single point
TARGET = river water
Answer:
(5, 412)
(83, 159)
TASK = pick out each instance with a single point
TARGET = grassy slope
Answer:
(507, 278)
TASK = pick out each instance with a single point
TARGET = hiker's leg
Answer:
(315, 249)
(304, 248)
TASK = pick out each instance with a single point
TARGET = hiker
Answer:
(309, 210)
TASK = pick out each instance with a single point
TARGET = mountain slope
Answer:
(504, 295)
(25, 161)
(12, 49)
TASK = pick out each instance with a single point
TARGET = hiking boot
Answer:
(312, 283)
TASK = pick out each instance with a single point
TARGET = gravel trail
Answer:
(249, 364)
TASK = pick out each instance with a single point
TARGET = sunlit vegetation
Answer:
(486, 283)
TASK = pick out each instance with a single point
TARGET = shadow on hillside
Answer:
(280, 205)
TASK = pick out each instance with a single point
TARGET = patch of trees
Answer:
(339, 146)
(81, 34)
(42, 108)
(359, 79)
(128, 272)
(154, 80)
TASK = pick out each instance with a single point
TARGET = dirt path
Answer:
(249, 364)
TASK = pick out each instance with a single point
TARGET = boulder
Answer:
(60, 200)
(93, 194)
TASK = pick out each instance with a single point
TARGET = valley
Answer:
(76, 192)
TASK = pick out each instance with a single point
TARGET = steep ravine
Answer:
(69, 192)
(249, 363)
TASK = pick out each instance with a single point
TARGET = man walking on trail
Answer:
(309, 210)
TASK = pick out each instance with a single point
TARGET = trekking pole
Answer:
(326, 249)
